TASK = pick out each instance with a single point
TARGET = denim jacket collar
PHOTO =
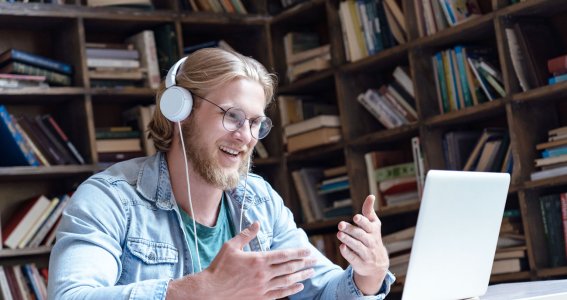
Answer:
(158, 191)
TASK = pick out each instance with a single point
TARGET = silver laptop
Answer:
(456, 235)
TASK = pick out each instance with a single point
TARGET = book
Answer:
(118, 145)
(14, 151)
(54, 126)
(49, 222)
(557, 65)
(145, 44)
(99, 3)
(313, 138)
(457, 147)
(166, 47)
(312, 124)
(140, 117)
(37, 223)
(57, 145)
(25, 69)
(487, 134)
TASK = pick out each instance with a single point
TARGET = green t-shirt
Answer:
(210, 239)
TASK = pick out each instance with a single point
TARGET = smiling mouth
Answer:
(229, 151)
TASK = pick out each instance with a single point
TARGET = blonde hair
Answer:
(204, 71)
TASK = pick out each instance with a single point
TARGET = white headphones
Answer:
(176, 102)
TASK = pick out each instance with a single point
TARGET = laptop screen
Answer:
(456, 235)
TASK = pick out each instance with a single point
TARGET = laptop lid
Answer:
(456, 235)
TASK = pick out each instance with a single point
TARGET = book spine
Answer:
(40, 61)
(64, 154)
(22, 151)
(557, 65)
(63, 137)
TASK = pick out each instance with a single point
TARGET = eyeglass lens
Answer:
(234, 118)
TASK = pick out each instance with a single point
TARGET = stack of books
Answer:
(393, 104)
(35, 141)
(304, 54)
(317, 131)
(50, 71)
(557, 67)
(399, 245)
(23, 282)
(553, 155)
(114, 144)
(511, 248)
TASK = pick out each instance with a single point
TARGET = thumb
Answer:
(368, 208)
(246, 235)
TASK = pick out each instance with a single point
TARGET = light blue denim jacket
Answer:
(121, 237)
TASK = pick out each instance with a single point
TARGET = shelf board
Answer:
(125, 91)
(398, 209)
(548, 92)
(50, 91)
(468, 114)
(266, 161)
(516, 276)
(11, 173)
(324, 226)
(462, 32)
(222, 19)
(317, 152)
(391, 56)
(533, 7)
(384, 136)
(550, 272)
(544, 183)
(11, 253)
(293, 12)
(319, 80)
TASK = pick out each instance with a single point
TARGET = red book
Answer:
(558, 65)
(563, 198)
(24, 218)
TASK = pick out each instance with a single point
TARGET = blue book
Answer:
(554, 152)
(35, 60)
(14, 151)
(556, 79)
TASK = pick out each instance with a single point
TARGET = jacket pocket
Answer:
(152, 252)
(145, 259)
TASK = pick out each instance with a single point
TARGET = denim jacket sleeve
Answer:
(85, 262)
(329, 281)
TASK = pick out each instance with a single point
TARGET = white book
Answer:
(146, 45)
(404, 80)
(375, 111)
(312, 124)
(49, 223)
(4, 285)
(112, 63)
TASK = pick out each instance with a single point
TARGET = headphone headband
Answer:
(172, 73)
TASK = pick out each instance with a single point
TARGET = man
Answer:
(129, 233)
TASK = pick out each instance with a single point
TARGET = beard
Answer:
(205, 164)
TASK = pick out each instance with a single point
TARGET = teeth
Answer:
(231, 151)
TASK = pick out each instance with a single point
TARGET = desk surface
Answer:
(547, 289)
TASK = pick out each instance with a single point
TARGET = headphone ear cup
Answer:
(176, 103)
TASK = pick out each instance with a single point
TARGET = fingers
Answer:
(368, 208)
(363, 223)
(350, 255)
(292, 266)
(246, 235)
(290, 279)
(355, 232)
(282, 256)
(355, 245)
(284, 292)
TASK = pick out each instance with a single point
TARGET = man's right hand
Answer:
(236, 274)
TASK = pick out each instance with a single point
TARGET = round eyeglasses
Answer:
(234, 118)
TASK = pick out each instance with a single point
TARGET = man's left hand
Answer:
(362, 247)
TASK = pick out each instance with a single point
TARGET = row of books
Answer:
(34, 223)
(532, 44)
(370, 26)
(553, 210)
(133, 63)
(304, 54)
(35, 141)
(466, 76)
(436, 15)
(323, 193)
(23, 282)
(216, 6)
(487, 150)
(393, 104)
(17, 61)
(141, 60)
(553, 155)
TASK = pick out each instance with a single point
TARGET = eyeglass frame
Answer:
(250, 120)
